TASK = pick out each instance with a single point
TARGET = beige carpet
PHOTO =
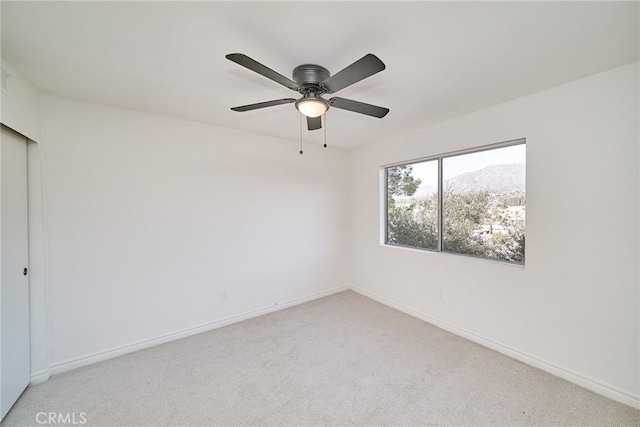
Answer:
(340, 360)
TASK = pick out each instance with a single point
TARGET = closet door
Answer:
(14, 281)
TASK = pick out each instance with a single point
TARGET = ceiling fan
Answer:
(312, 81)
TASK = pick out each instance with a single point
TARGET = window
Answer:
(469, 203)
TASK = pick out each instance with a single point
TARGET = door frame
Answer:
(39, 316)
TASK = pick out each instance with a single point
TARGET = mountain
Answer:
(495, 179)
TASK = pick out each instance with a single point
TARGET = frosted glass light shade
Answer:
(311, 107)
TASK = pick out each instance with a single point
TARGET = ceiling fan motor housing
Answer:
(310, 78)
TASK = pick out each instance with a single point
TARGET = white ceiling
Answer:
(443, 59)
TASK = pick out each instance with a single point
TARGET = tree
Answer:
(463, 215)
(475, 223)
(400, 182)
(415, 225)
(509, 247)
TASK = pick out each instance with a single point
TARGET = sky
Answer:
(457, 165)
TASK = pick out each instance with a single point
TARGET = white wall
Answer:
(148, 218)
(574, 308)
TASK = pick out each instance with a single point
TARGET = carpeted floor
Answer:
(340, 360)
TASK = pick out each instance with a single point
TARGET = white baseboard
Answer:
(581, 380)
(39, 377)
(129, 348)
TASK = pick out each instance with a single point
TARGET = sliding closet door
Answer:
(14, 257)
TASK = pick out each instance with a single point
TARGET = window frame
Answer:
(440, 158)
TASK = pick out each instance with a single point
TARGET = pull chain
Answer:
(324, 119)
(301, 134)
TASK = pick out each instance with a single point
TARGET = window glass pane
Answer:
(412, 205)
(484, 204)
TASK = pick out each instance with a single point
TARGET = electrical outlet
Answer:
(224, 294)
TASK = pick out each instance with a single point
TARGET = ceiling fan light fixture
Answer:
(312, 106)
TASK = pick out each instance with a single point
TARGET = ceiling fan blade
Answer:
(254, 65)
(358, 107)
(364, 67)
(264, 104)
(314, 123)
